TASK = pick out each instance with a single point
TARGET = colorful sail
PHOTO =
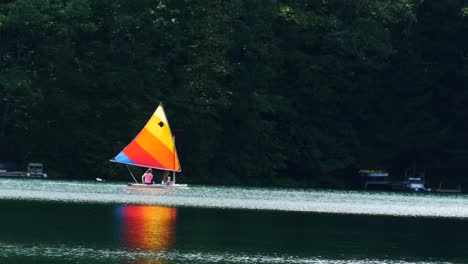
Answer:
(153, 147)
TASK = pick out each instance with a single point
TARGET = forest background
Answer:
(257, 92)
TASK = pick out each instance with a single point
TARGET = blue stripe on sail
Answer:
(123, 158)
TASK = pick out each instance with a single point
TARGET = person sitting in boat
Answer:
(166, 179)
(147, 177)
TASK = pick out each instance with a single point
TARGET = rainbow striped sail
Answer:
(153, 147)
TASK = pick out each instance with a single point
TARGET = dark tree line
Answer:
(257, 91)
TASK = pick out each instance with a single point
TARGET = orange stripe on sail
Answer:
(157, 149)
(140, 156)
(162, 132)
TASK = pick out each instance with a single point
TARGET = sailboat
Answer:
(153, 147)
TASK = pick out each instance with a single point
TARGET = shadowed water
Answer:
(75, 222)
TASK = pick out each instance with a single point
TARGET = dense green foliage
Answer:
(257, 91)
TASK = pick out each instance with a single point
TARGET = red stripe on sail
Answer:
(140, 156)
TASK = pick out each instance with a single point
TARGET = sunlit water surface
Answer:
(305, 200)
(46, 221)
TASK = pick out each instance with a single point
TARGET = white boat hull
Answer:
(157, 186)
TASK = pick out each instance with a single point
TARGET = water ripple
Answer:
(304, 200)
(79, 254)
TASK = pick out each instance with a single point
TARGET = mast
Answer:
(173, 159)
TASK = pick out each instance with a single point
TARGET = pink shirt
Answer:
(148, 177)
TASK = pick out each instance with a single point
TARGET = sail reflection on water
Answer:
(149, 228)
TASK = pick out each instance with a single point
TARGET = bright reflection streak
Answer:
(147, 227)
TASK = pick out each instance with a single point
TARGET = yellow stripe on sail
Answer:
(160, 113)
(160, 130)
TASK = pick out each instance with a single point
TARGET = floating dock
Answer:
(447, 190)
(35, 170)
(21, 174)
(13, 174)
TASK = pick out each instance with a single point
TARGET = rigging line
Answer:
(131, 173)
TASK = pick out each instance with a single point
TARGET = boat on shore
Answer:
(153, 148)
(374, 179)
(381, 180)
(416, 184)
(415, 181)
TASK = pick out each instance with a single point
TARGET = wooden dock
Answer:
(447, 190)
(35, 170)
(20, 174)
(13, 174)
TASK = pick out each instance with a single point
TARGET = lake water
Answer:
(45, 221)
